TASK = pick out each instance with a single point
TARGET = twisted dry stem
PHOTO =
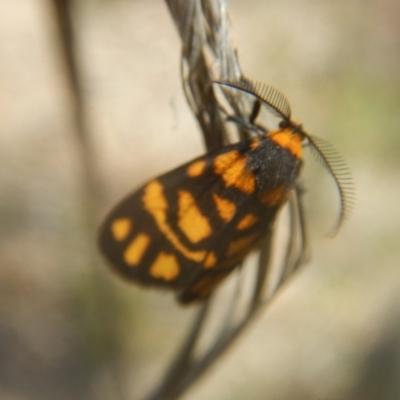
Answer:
(208, 55)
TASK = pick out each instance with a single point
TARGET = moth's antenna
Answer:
(267, 94)
(330, 158)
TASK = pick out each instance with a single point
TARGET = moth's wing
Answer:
(189, 228)
(150, 237)
(241, 213)
(131, 242)
(237, 213)
(231, 242)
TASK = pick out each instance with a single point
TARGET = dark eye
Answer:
(284, 124)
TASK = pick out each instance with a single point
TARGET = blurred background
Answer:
(70, 328)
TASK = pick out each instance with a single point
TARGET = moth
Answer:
(188, 229)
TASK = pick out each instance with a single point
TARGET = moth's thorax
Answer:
(275, 159)
(288, 139)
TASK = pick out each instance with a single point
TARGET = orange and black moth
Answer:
(188, 229)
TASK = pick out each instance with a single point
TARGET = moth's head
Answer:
(292, 131)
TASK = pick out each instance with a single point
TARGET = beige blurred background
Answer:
(69, 328)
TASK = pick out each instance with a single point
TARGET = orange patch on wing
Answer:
(288, 139)
(156, 204)
(165, 266)
(232, 166)
(196, 168)
(273, 197)
(255, 143)
(190, 219)
(121, 228)
(242, 245)
(154, 198)
(226, 209)
(135, 251)
(210, 260)
(247, 221)
(225, 161)
(205, 285)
